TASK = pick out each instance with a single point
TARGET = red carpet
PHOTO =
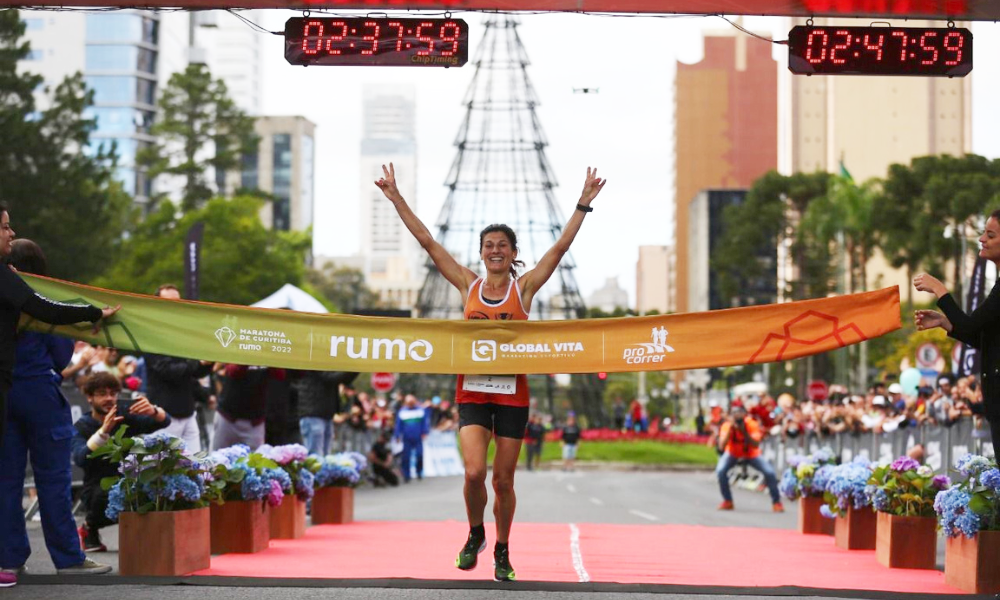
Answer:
(637, 554)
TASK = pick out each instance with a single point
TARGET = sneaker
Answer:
(726, 505)
(7, 579)
(468, 556)
(87, 567)
(22, 570)
(90, 540)
(778, 507)
(502, 571)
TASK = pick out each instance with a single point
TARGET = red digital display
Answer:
(940, 52)
(366, 41)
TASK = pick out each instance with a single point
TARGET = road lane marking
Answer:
(571, 487)
(644, 515)
(574, 548)
(597, 501)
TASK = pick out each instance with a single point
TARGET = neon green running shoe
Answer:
(468, 556)
(502, 571)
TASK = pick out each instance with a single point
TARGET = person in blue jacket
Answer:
(39, 425)
(413, 423)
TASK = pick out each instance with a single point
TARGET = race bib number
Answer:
(490, 384)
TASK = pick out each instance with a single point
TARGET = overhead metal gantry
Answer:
(957, 10)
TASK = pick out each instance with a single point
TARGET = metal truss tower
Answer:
(501, 175)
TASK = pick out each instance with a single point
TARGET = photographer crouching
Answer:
(109, 408)
(739, 439)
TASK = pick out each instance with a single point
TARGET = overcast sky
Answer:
(625, 130)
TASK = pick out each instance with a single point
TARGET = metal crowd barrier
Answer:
(943, 445)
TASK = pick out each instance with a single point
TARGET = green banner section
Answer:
(281, 338)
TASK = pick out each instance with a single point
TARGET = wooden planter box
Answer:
(906, 542)
(164, 543)
(288, 519)
(810, 520)
(856, 529)
(973, 566)
(240, 526)
(333, 505)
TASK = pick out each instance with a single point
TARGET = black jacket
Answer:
(319, 393)
(172, 383)
(981, 330)
(17, 296)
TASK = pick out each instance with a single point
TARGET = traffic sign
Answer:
(818, 390)
(928, 355)
(383, 382)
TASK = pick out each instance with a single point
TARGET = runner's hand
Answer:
(591, 187)
(388, 184)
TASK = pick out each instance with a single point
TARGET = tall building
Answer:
(706, 228)
(284, 166)
(608, 297)
(393, 262)
(654, 280)
(118, 54)
(127, 56)
(726, 132)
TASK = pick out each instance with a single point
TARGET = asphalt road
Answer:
(550, 496)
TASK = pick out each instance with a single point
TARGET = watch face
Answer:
(376, 42)
(939, 52)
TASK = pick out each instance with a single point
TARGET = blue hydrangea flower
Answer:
(954, 514)
(281, 477)
(971, 465)
(116, 502)
(991, 479)
(161, 437)
(789, 484)
(255, 486)
(304, 484)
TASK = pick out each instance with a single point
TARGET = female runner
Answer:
(504, 295)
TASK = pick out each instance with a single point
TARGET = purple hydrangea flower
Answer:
(904, 463)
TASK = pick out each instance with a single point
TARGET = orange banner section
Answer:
(281, 338)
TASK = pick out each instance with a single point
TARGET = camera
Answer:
(126, 398)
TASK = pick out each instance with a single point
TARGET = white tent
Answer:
(293, 298)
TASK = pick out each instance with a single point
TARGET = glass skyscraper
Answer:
(120, 64)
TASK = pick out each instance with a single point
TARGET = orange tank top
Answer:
(510, 309)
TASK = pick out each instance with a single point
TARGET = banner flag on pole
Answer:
(192, 260)
(281, 338)
(968, 361)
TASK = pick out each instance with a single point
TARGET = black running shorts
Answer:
(503, 421)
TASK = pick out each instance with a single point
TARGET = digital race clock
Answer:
(376, 41)
(942, 52)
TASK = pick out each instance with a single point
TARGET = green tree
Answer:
(55, 188)
(923, 200)
(343, 287)
(241, 260)
(774, 206)
(196, 115)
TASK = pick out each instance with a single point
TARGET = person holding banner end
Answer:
(16, 296)
(981, 329)
(483, 412)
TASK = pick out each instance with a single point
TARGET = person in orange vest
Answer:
(739, 439)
